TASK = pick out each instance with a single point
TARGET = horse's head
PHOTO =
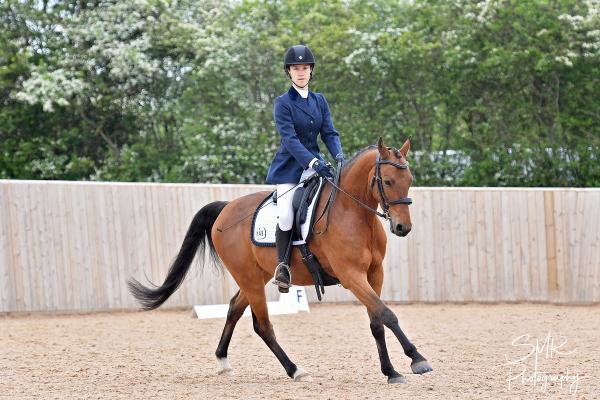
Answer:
(392, 180)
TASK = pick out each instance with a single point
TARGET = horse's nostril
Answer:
(399, 228)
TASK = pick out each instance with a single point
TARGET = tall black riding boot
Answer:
(283, 273)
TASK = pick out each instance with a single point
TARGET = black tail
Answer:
(195, 240)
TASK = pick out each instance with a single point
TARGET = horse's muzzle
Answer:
(400, 229)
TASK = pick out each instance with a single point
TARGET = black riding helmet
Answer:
(298, 54)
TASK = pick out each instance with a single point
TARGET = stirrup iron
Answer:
(280, 280)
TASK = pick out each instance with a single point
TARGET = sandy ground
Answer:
(475, 351)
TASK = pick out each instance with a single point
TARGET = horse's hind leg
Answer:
(237, 306)
(375, 278)
(365, 293)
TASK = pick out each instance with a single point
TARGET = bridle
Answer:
(385, 203)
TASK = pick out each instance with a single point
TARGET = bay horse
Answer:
(351, 249)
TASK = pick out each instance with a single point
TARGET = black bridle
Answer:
(385, 203)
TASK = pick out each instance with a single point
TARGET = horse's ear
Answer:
(383, 151)
(405, 147)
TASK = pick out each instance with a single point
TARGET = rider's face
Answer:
(300, 74)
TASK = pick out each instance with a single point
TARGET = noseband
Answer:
(385, 203)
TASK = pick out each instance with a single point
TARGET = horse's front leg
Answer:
(386, 364)
(358, 284)
(375, 278)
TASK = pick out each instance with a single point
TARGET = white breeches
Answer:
(285, 209)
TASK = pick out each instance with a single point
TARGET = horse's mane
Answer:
(358, 154)
(365, 149)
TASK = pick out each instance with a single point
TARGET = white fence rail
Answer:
(70, 246)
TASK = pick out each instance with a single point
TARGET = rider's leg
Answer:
(283, 235)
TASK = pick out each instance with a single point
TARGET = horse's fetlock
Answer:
(221, 353)
(411, 351)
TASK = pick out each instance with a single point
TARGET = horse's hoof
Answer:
(223, 366)
(302, 376)
(421, 367)
(396, 379)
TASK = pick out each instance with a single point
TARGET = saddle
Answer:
(303, 197)
(304, 202)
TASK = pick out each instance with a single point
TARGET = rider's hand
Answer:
(322, 169)
(339, 159)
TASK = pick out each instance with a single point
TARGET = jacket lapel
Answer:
(303, 104)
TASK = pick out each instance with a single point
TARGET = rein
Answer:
(360, 203)
(330, 200)
(385, 203)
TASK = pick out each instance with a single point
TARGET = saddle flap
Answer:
(306, 196)
(264, 220)
(297, 200)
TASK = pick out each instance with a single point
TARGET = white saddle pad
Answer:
(265, 222)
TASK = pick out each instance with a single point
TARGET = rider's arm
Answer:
(329, 135)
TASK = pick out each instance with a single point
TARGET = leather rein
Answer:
(385, 203)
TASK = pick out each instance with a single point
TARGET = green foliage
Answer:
(493, 93)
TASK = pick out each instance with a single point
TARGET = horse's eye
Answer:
(387, 182)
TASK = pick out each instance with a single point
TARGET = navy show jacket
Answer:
(299, 121)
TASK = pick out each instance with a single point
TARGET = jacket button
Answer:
(311, 121)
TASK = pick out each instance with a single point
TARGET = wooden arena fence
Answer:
(70, 246)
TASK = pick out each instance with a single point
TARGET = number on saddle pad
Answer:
(305, 199)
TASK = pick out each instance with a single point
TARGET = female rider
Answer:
(300, 115)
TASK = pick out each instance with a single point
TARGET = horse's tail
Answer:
(195, 240)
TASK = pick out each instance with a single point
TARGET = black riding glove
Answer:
(322, 169)
(339, 159)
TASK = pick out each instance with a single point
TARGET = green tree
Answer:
(492, 92)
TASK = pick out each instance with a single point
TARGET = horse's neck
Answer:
(356, 178)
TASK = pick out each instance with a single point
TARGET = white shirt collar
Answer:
(302, 92)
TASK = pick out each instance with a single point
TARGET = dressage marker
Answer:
(288, 303)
